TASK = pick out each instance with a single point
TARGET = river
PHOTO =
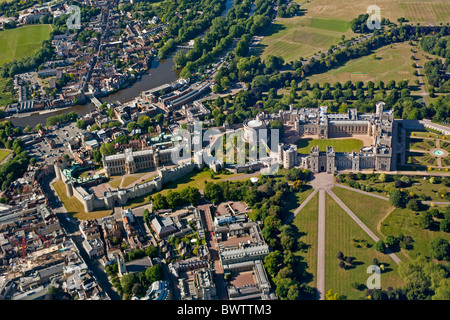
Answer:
(161, 72)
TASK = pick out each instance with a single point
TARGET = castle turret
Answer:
(69, 188)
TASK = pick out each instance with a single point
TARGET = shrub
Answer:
(440, 249)
(380, 246)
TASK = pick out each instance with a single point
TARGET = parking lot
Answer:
(43, 152)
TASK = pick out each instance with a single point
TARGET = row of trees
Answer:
(221, 35)
(174, 199)
(61, 118)
(184, 24)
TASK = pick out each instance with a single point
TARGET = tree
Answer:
(413, 205)
(422, 276)
(444, 225)
(151, 251)
(443, 291)
(154, 273)
(397, 199)
(107, 149)
(392, 242)
(272, 262)
(382, 177)
(127, 281)
(340, 255)
(440, 249)
(97, 155)
(426, 220)
(138, 290)
(380, 246)
(332, 296)
(159, 202)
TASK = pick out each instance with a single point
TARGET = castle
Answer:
(316, 121)
(132, 161)
(120, 197)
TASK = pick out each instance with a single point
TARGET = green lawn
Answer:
(306, 222)
(391, 63)
(193, 179)
(369, 209)
(343, 234)
(21, 42)
(74, 207)
(303, 36)
(418, 186)
(4, 153)
(405, 221)
(421, 144)
(293, 201)
(325, 21)
(340, 145)
(431, 11)
(425, 134)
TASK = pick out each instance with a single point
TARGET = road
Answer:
(321, 246)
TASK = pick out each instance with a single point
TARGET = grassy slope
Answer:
(3, 154)
(74, 207)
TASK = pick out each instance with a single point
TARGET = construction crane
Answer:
(45, 241)
(21, 247)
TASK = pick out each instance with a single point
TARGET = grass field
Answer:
(302, 36)
(193, 179)
(74, 207)
(390, 64)
(369, 209)
(417, 186)
(306, 222)
(343, 234)
(340, 145)
(4, 153)
(325, 21)
(405, 221)
(432, 11)
(21, 42)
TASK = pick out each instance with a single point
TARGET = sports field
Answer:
(339, 145)
(21, 42)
